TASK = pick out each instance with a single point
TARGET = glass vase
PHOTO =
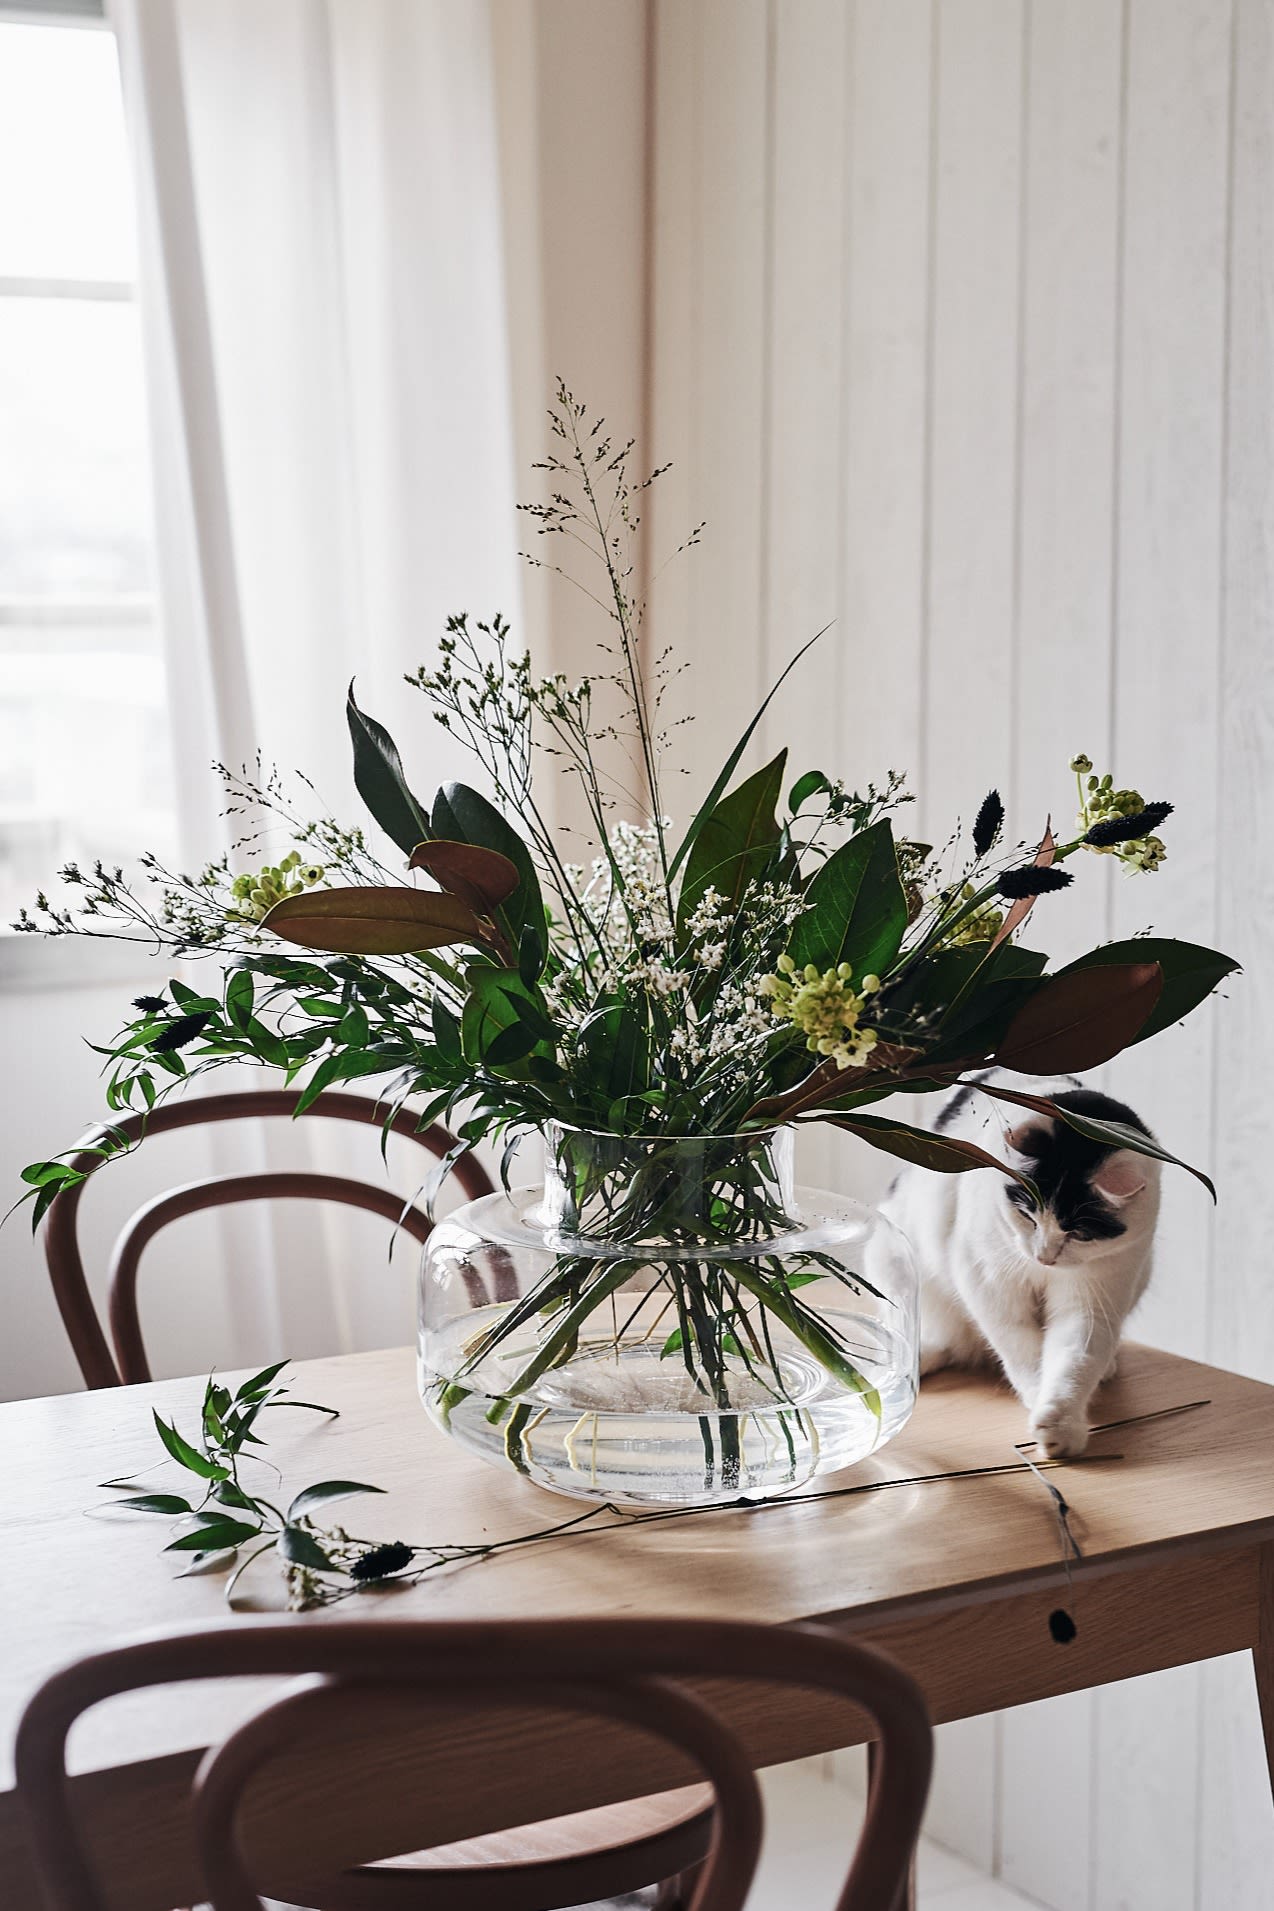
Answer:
(668, 1321)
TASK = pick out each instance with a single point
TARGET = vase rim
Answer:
(661, 1134)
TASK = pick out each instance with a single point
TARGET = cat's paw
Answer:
(933, 1359)
(1112, 1370)
(1059, 1429)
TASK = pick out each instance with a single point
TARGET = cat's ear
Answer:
(1029, 1139)
(1120, 1177)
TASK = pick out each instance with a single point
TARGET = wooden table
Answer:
(957, 1578)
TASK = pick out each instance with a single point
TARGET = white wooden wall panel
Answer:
(1236, 1829)
(965, 335)
(1067, 435)
(804, 348)
(973, 428)
(1172, 397)
(883, 533)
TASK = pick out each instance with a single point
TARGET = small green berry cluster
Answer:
(256, 894)
(824, 1008)
(1101, 803)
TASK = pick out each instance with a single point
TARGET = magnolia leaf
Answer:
(1080, 1018)
(855, 908)
(375, 921)
(1023, 906)
(1109, 1134)
(481, 877)
(945, 1154)
(887, 1064)
(736, 840)
(735, 757)
(1190, 974)
(462, 815)
(379, 780)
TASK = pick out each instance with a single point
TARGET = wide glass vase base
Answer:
(668, 1323)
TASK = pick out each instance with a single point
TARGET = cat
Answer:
(1046, 1293)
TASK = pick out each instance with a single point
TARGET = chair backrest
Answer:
(61, 1242)
(629, 1670)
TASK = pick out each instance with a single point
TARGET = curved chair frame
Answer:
(616, 1668)
(61, 1243)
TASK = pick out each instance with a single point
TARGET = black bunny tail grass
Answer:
(1128, 829)
(988, 823)
(1033, 879)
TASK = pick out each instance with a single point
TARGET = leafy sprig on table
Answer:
(228, 1525)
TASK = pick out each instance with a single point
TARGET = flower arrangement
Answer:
(791, 955)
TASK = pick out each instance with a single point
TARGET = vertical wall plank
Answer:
(880, 635)
(967, 661)
(886, 333)
(711, 152)
(1145, 1833)
(1063, 649)
(1067, 428)
(1169, 565)
(1237, 1826)
(803, 520)
(973, 466)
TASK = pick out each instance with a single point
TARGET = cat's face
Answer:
(1089, 1195)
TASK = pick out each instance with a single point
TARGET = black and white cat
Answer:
(1045, 1292)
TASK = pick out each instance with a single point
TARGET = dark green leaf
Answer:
(945, 1154)
(1109, 1134)
(259, 1382)
(736, 841)
(302, 1549)
(804, 787)
(186, 1455)
(735, 757)
(530, 956)
(509, 1045)
(168, 1503)
(324, 1491)
(239, 998)
(214, 1536)
(462, 815)
(353, 1029)
(446, 1030)
(379, 780)
(855, 908)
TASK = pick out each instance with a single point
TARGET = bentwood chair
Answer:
(61, 1243)
(642, 1673)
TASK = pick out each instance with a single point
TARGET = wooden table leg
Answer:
(907, 1900)
(1263, 1656)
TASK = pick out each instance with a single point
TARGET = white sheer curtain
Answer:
(324, 296)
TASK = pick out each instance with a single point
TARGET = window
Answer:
(85, 769)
